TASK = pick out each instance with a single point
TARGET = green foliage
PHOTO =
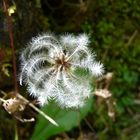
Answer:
(114, 31)
(113, 26)
(116, 38)
(67, 119)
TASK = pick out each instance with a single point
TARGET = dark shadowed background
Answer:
(114, 29)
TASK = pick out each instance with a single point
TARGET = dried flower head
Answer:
(12, 105)
(104, 93)
(59, 69)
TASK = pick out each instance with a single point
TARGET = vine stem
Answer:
(9, 24)
(37, 110)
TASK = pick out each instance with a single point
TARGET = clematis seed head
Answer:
(51, 68)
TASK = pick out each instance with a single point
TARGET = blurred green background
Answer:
(114, 29)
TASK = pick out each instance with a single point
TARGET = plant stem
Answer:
(2, 100)
(9, 23)
(37, 110)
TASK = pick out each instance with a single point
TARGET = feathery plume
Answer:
(59, 69)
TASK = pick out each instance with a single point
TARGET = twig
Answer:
(65, 136)
(16, 132)
(137, 102)
(38, 110)
(131, 38)
(106, 53)
(89, 125)
(2, 100)
(9, 23)
(25, 120)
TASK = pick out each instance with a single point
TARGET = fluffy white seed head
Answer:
(59, 69)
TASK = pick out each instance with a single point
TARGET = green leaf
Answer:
(66, 119)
